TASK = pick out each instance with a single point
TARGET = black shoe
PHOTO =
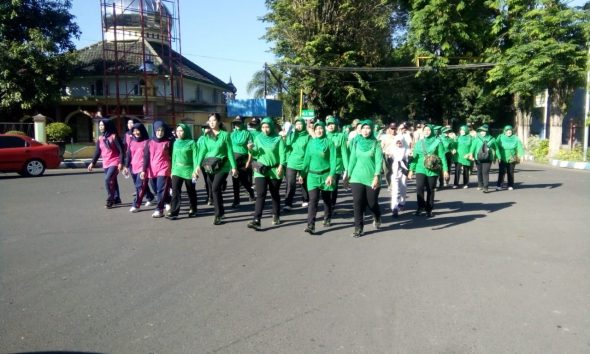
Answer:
(327, 222)
(276, 220)
(377, 222)
(395, 213)
(170, 216)
(118, 201)
(254, 224)
(287, 208)
(192, 213)
(109, 205)
(418, 212)
(209, 201)
(358, 232)
(235, 204)
(217, 220)
(429, 214)
(252, 198)
(310, 229)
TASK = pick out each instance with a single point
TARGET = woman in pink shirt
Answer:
(134, 165)
(109, 148)
(158, 164)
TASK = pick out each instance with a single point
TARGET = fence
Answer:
(27, 128)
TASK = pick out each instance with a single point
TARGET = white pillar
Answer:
(40, 131)
(586, 113)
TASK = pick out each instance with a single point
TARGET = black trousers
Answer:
(243, 180)
(506, 168)
(176, 191)
(291, 180)
(264, 184)
(483, 174)
(216, 183)
(314, 200)
(335, 191)
(449, 158)
(207, 184)
(423, 183)
(464, 170)
(363, 197)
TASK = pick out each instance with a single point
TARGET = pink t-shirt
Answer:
(136, 149)
(160, 163)
(111, 155)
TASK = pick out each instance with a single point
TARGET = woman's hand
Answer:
(329, 181)
(280, 171)
(234, 172)
(142, 175)
(410, 174)
(375, 183)
(90, 167)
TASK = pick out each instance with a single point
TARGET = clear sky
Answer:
(221, 36)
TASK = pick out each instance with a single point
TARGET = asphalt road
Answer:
(504, 272)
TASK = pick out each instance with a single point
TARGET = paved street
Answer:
(490, 273)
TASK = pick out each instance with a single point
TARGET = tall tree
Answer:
(36, 51)
(330, 33)
(546, 49)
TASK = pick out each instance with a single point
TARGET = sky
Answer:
(221, 36)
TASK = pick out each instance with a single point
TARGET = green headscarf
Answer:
(465, 129)
(368, 143)
(508, 127)
(303, 131)
(268, 141)
(187, 138)
(321, 142)
(239, 136)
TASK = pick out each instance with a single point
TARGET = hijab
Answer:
(270, 140)
(109, 129)
(160, 124)
(368, 143)
(187, 138)
(322, 143)
(239, 136)
(143, 134)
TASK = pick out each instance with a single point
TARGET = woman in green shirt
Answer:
(426, 178)
(364, 175)
(216, 157)
(483, 153)
(240, 137)
(319, 170)
(339, 141)
(509, 151)
(184, 156)
(268, 149)
(296, 142)
(461, 152)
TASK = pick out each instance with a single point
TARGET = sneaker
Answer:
(358, 232)
(157, 214)
(377, 223)
(118, 201)
(498, 188)
(192, 213)
(304, 204)
(109, 205)
(167, 207)
(327, 222)
(510, 188)
(429, 214)
(287, 208)
(465, 186)
(252, 198)
(170, 216)
(401, 207)
(217, 220)
(133, 209)
(310, 229)
(418, 212)
(485, 190)
(276, 220)
(148, 203)
(455, 186)
(395, 213)
(209, 201)
(479, 188)
(254, 224)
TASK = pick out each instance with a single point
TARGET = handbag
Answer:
(212, 164)
(431, 161)
(514, 159)
(259, 167)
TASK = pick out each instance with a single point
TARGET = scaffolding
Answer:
(142, 59)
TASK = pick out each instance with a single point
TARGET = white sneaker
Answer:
(510, 188)
(498, 188)
(133, 209)
(157, 214)
(465, 186)
(148, 203)
(167, 207)
(304, 204)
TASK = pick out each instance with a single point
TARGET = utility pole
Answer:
(265, 75)
(587, 104)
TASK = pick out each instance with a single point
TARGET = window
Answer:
(11, 142)
(198, 94)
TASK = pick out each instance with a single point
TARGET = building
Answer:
(138, 72)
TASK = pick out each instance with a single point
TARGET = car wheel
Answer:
(34, 168)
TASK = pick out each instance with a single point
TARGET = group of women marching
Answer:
(312, 155)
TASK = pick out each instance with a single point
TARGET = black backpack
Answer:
(484, 154)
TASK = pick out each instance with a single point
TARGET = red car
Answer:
(27, 156)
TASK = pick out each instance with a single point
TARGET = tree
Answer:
(330, 33)
(36, 51)
(269, 79)
(545, 48)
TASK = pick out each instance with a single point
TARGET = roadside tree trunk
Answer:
(523, 119)
(556, 120)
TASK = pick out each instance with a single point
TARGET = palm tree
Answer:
(271, 80)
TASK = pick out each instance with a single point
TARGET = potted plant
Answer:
(58, 133)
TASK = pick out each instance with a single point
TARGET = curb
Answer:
(570, 164)
(83, 163)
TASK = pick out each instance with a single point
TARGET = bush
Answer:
(575, 154)
(539, 148)
(16, 132)
(58, 131)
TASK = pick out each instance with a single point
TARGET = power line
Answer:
(388, 69)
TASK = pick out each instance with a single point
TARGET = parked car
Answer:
(27, 156)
